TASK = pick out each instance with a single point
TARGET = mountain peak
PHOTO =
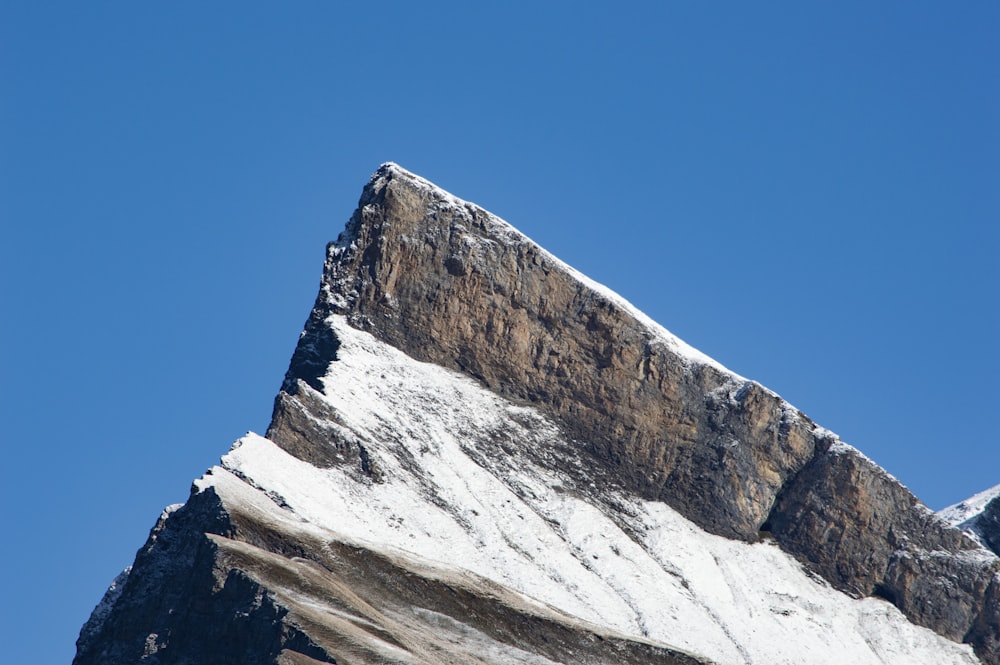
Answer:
(450, 283)
(479, 454)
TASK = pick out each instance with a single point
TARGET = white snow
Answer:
(441, 499)
(963, 511)
(965, 514)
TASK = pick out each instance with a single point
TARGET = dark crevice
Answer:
(885, 593)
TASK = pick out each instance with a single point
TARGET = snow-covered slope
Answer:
(967, 515)
(444, 497)
(963, 511)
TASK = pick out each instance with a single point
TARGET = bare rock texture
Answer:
(867, 534)
(989, 525)
(186, 603)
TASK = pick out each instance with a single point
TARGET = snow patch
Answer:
(963, 511)
(965, 514)
(443, 498)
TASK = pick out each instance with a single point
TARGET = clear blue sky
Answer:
(811, 196)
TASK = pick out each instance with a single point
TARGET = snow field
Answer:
(513, 523)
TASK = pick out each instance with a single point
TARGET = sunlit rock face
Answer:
(480, 456)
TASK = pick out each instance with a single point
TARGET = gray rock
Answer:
(184, 604)
(987, 525)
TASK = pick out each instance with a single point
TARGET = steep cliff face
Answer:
(479, 455)
(864, 532)
(448, 283)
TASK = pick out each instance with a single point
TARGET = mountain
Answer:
(478, 455)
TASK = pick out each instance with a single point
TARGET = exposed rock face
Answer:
(601, 410)
(446, 283)
(979, 517)
(867, 534)
(184, 578)
(989, 525)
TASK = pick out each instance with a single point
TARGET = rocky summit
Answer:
(478, 455)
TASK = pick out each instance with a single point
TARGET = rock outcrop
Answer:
(867, 534)
(601, 409)
(988, 525)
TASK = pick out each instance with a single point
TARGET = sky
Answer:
(810, 195)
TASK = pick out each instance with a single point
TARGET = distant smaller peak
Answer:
(965, 511)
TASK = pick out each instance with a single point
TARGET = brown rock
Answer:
(859, 528)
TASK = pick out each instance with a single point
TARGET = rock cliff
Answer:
(479, 455)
